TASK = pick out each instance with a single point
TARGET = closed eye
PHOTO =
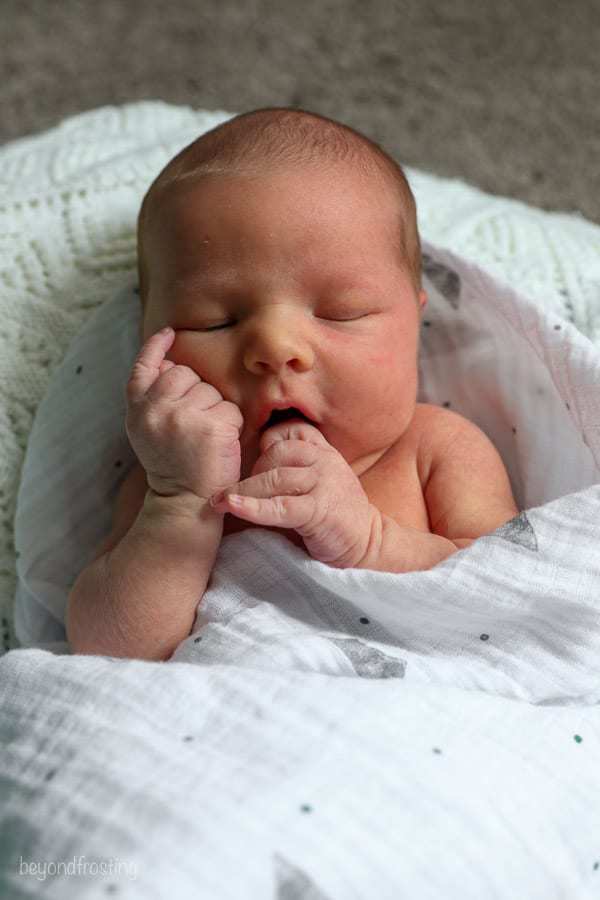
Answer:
(343, 318)
(215, 327)
(325, 318)
(333, 321)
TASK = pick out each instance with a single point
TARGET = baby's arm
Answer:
(139, 597)
(468, 494)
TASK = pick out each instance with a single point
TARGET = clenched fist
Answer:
(185, 435)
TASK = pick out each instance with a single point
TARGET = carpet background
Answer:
(503, 96)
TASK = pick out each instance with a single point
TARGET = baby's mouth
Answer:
(283, 415)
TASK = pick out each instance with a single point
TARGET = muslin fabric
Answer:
(321, 733)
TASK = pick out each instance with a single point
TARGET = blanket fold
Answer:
(227, 781)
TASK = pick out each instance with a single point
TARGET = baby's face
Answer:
(287, 288)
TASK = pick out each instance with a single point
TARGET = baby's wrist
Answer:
(186, 505)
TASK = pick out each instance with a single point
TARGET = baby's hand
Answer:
(300, 481)
(185, 435)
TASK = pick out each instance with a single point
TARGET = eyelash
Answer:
(226, 324)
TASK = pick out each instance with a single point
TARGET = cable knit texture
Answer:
(70, 198)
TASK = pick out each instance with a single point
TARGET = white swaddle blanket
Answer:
(519, 608)
(325, 733)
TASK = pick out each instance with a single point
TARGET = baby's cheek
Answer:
(390, 381)
(382, 360)
(184, 352)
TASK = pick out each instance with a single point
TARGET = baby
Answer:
(276, 385)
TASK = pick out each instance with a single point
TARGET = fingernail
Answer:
(166, 330)
(216, 498)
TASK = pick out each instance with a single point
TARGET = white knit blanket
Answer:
(321, 734)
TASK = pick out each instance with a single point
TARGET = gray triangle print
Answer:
(293, 883)
(445, 280)
(520, 531)
(369, 662)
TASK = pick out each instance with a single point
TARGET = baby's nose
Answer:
(272, 348)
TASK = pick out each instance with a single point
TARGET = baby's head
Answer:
(272, 140)
(283, 249)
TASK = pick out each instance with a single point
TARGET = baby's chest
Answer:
(395, 489)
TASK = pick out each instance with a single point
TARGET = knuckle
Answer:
(180, 369)
(276, 452)
(178, 420)
(276, 479)
(206, 395)
(308, 452)
(151, 415)
(298, 482)
(281, 506)
(178, 377)
(231, 412)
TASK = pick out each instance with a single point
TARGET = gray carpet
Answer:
(503, 95)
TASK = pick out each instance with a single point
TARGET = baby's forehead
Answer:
(186, 190)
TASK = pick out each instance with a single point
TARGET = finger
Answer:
(287, 453)
(281, 512)
(285, 431)
(146, 367)
(232, 415)
(165, 365)
(181, 382)
(280, 481)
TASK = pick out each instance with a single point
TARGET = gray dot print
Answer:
(520, 531)
(292, 883)
(444, 280)
(369, 662)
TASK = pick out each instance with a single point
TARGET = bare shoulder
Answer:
(466, 488)
(437, 421)
(442, 430)
(433, 427)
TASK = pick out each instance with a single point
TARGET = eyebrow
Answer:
(343, 284)
(213, 288)
(226, 284)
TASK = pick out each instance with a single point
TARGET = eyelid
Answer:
(216, 327)
(351, 318)
(344, 318)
